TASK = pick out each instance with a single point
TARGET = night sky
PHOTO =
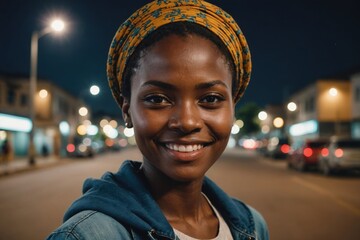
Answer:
(293, 42)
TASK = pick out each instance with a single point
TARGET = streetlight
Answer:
(292, 106)
(43, 93)
(262, 115)
(94, 90)
(278, 122)
(333, 92)
(56, 26)
(83, 111)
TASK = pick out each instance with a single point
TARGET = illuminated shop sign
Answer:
(303, 128)
(15, 123)
(64, 128)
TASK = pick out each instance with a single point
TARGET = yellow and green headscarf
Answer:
(160, 12)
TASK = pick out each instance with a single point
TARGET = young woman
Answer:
(176, 68)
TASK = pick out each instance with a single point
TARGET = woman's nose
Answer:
(185, 117)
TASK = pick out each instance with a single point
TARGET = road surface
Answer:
(297, 206)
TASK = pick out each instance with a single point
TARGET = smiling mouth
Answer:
(184, 148)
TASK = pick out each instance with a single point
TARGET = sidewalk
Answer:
(22, 164)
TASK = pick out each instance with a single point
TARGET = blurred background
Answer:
(294, 151)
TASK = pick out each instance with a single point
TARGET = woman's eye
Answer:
(211, 99)
(156, 99)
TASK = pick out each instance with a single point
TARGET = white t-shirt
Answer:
(223, 233)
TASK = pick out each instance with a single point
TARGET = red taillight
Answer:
(308, 152)
(285, 148)
(325, 152)
(339, 152)
(70, 147)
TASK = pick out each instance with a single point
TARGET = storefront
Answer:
(15, 131)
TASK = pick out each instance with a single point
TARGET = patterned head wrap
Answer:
(160, 12)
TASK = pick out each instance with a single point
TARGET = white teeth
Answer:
(184, 148)
(175, 147)
(189, 148)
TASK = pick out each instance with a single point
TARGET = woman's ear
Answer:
(125, 107)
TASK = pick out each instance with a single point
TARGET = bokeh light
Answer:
(43, 93)
(94, 90)
(83, 111)
(262, 115)
(333, 92)
(278, 122)
(292, 106)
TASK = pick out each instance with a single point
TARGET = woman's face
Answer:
(181, 107)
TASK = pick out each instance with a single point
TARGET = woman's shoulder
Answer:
(90, 225)
(261, 227)
(260, 224)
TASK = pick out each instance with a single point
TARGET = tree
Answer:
(248, 113)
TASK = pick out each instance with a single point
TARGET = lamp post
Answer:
(57, 26)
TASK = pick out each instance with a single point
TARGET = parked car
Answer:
(82, 147)
(80, 150)
(277, 148)
(307, 155)
(339, 155)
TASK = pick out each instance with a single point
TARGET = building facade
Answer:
(56, 116)
(324, 109)
(355, 126)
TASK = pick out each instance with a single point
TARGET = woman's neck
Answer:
(183, 204)
(175, 198)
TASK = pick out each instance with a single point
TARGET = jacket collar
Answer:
(125, 197)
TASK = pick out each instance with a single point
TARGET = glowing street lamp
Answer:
(43, 93)
(292, 106)
(262, 115)
(83, 111)
(56, 26)
(278, 122)
(94, 90)
(333, 92)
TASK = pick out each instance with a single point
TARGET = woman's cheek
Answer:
(146, 121)
(220, 123)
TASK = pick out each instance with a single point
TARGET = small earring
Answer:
(128, 124)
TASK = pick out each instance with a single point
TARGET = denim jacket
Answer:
(120, 206)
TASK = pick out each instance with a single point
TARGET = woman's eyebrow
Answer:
(159, 84)
(168, 86)
(206, 85)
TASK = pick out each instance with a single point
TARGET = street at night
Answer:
(296, 205)
(85, 84)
